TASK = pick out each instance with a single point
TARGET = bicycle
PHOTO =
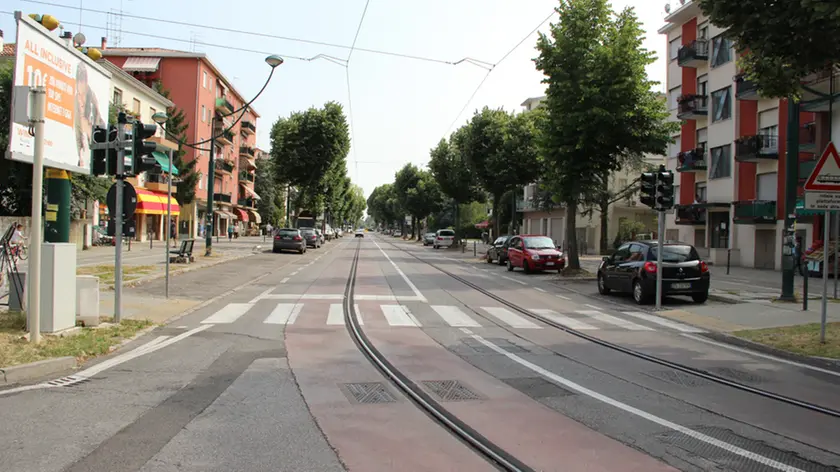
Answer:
(19, 252)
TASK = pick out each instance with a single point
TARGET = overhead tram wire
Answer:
(350, 95)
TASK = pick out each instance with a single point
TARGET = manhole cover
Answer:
(450, 390)
(537, 387)
(677, 377)
(369, 392)
(736, 374)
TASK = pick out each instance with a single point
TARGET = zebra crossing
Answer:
(287, 313)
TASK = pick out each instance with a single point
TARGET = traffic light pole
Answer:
(661, 242)
(118, 217)
(791, 182)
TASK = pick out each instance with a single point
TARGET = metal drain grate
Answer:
(68, 381)
(369, 392)
(736, 374)
(678, 378)
(450, 390)
(537, 387)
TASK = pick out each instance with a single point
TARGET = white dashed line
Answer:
(539, 289)
(561, 296)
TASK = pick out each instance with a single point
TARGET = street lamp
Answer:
(273, 61)
(160, 118)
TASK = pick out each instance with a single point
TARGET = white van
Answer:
(444, 238)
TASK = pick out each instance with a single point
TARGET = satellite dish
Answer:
(667, 8)
(79, 39)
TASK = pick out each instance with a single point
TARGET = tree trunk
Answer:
(413, 227)
(457, 222)
(572, 259)
(513, 210)
(420, 224)
(497, 223)
(605, 218)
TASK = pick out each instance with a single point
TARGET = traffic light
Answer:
(664, 189)
(104, 161)
(648, 184)
(141, 158)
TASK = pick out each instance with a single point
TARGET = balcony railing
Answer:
(755, 212)
(246, 151)
(223, 105)
(755, 148)
(745, 89)
(248, 127)
(226, 138)
(690, 215)
(224, 165)
(693, 54)
(692, 161)
(247, 202)
(246, 176)
(690, 107)
(221, 197)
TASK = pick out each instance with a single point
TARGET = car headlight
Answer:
(535, 257)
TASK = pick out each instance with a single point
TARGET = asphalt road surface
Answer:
(267, 377)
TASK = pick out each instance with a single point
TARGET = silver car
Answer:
(429, 239)
(288, 239)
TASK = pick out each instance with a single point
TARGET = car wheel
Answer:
(489, 259)
(509, 266)
(526, 267)
(700, 297)
(275, 251)
(639, 293)
(435, 246)
(602, 285)
(501, 261)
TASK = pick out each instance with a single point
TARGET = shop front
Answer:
(150, 216)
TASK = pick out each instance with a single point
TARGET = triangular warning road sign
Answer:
(826, 174)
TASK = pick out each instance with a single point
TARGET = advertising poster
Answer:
(77, 98)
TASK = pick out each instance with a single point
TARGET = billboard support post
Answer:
(39, 100)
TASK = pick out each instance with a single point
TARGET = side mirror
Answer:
(605, 258)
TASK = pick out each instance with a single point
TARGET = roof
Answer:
(130, 78)
(531, 100)
(174, 53)
(8, 50)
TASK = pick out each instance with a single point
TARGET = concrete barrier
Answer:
(87, 299)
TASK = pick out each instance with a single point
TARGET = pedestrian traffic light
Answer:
(664, 189)
(648, 184)
(141, 158)
(104, 161)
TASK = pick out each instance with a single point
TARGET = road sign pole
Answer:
(661, 242)
(824, 307)
(39, 100)
(118, 217)
(789, 204)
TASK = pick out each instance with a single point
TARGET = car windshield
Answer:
(307, 231)
(447, 232)
(502, 240)
(676, 253)
(539, 243)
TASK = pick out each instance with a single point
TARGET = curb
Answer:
(34, 370)
(820, 362)
(722, 299)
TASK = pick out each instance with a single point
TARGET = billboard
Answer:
(78, 91)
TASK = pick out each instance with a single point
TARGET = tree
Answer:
(501, 149)
(176, 126)
(602, 111)
(781, 42)
(266, 188)
(405, 181)
(16, 190)
(455, 178)
(384, 206)
(419, 193)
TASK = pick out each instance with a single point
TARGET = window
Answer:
(703, 85)
(700, 193)
(622, 253)
(203, 114)
(721, 165)
(721, 51)
(675, 148)
(204, 79)
(703, 31)
(622, 184)
(637, 252)
(702, 138)
(674, 47)
(673, 94)
(722, 104)
(135, 106)
(770, 140)
(767, 186)
(675, 253)
(117, 97)
(676, 198)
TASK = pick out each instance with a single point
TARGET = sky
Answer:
(401, 107)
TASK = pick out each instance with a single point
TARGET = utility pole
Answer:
(39, 100)
(211, 180)
(791, 182)
(122, 121)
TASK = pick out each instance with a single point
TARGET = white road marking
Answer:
(614, 320)
(511, 318)
(683, 328)
(594, 307)
(635, 411)
(407, 281)
(540, 289)
(286, 279)
(455, 317)
(359, 315)
(762, 355)
(228, 314)
(295, 273)
(561, 296)
(284, 314)
(514, 280)
(399, 315)
(305, 296)
(262, 295)
(181, 327)
(336, 315)
(564, 320)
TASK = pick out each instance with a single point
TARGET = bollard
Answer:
(728, 259)
(150, 241)
(463, 247)
(474, 249)
(129, 244)
(805, 290)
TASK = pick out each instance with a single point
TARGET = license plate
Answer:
(287, 237)
(549, 263)
(680, 286)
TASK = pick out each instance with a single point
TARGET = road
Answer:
(265, 376)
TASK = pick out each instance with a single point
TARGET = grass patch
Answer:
(569, 273)
(87, 343)
(802, 339)
(106, 272)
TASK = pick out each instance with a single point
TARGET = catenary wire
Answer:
(349, 94)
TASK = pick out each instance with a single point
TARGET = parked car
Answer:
(444, 238)
(498, 250)
(534, 253)
(320, 236)
(360, 233)
(429, 239)
(397, 234)
(310, 235)
(632, 268)
(288, 239)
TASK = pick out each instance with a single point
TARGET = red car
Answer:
(534, 252)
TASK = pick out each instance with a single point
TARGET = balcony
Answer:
(246, 177)
(755, 212)
(225, 138)
(691, 215)
(691, 107)
(808, 138)
(246, 151)
(225, 166)
(247, 202)
(223, 106)
(756, 148)
(692, 161)
(818, 86)
(694, 54)
(248, 127)
(157, 182)
(745, 89)
(221, 197)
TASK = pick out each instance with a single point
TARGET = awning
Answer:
(483, 224)
(255, 217)
(141, 64)
(163, 161)
(250, 192)
(242, 214)
(154, 203)
(225, 215)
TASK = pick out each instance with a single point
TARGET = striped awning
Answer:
(242, 214)
(141, 64)
(255, 217)
(249, 192)
(154, 203)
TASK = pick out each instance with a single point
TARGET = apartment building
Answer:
(730, 153)
(199, 88)
(551, 222)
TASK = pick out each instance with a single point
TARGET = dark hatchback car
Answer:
(632, 268)
(288, 239)
(498, 250)
(311, 237)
